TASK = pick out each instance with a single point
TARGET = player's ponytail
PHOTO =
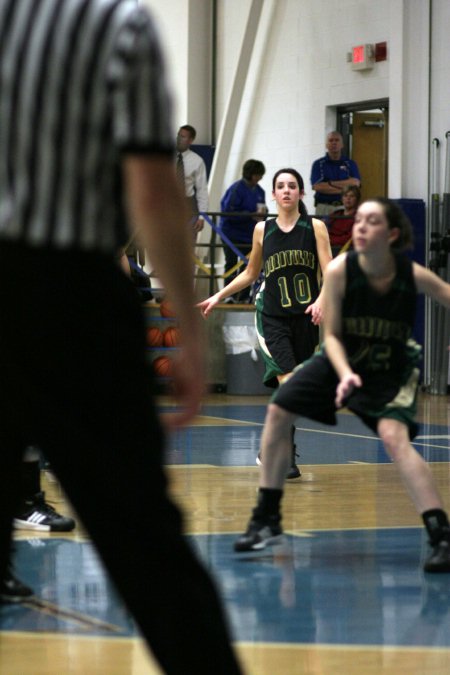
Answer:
(303, 210)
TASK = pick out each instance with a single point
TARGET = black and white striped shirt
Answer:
(81, 82)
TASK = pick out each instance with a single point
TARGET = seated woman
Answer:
(340, 222)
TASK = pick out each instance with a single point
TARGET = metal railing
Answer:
(218, 240)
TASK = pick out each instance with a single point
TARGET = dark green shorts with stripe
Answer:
(311, 390)
(285, 341)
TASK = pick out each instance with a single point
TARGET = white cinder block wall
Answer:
(304, 71)
(299, 73)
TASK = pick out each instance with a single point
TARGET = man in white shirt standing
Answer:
(191, 168)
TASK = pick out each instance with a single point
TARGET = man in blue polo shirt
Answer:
(330, 174)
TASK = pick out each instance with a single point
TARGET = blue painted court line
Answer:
(67, 574)
(232, 445)
(353, 588)
(356, 587)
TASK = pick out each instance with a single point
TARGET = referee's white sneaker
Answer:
(37, 514)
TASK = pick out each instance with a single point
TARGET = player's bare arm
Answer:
(334, 289)
(322, 243)
(247, 277)
(325, 257)
(429, 283)
(333, 293)
(157, 207)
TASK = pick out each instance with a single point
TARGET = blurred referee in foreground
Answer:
(86, 149)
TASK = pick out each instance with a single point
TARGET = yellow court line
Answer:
(30, 535)
(83, 620)
(228, 419)
(41, 635)
(344, 647)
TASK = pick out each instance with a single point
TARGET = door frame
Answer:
(344, 127)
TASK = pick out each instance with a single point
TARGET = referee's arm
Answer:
(157, 208)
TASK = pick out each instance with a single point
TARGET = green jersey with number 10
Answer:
(291, 269)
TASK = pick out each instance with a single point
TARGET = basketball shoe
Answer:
(12, 589)
(37, 514)
(439, 559)
(293, 471)
(261, 532)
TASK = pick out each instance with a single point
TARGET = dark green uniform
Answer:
(291, 284)
(376, 332)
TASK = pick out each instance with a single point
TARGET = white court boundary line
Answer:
(336, 433)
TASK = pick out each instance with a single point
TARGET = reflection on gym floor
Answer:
(343, 593)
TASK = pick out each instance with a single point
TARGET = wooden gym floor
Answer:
(344, 595)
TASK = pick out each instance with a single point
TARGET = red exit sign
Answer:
(358, 54)
(362, 57)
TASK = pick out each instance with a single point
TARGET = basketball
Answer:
(162, 366)
(166, 310)
(154, 337)
(171, 337)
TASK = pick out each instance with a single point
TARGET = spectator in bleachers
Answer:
(330, 174)
(340, 222)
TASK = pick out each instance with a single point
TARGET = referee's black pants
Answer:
(73, 381)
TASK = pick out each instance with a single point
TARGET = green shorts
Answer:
(285, 341)
(311, 390)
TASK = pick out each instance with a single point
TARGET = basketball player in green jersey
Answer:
(294, 250)
(368, 363)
